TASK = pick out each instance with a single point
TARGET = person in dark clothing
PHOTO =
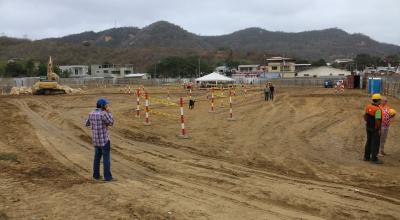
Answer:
(266, 93)
(191, 104)
(271, 91)
(373, 119)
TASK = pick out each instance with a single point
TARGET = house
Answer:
(111, 70)
(302, 66)
(324, 71)
(282, 66)
(247, 73)
(221, 69)
(248, 68)
(76, 70)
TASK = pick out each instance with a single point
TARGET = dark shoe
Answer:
(111, 180)
(367, 159)
(97, 179)
(377, 161)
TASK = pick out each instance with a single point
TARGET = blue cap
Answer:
(101, 103)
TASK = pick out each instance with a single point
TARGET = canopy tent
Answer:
(214, 77)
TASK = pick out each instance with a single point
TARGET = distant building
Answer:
(381, 70)
(343, 61)
(302, 66)
(247, 73)
(283, 66)
(323, 71)
(137, 75)
(248, 68)
(76, 70)
(222, 69)
(111, 70)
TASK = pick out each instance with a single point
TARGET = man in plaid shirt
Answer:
(100, 119)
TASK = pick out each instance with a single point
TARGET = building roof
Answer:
(254, 65)
(323, 70)
(214, 77)
(302, 64)
(133, 75)
(279, 59)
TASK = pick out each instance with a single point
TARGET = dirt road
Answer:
(298, 157)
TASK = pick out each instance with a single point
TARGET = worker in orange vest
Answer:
(373, 119)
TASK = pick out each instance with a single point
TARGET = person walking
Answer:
(271, 91)
(387, 114)
(373, 119)
(266, 92)
(100, 119)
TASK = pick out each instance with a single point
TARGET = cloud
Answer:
(45, 18)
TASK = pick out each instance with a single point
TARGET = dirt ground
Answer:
(299, 157)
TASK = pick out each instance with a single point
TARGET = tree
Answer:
(65, 74)
(2, 69)
(179, 67)
(30, 68)
(14, 69)
(320, 62)
(42, 69)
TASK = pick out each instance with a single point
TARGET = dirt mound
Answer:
(21, 91)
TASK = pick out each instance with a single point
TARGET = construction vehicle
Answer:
(48, 85)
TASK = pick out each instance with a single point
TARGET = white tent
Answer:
(214, 77)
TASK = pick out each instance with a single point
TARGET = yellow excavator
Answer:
(48, 86)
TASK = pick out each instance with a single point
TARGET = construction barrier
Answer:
(137, 102)
(212, 101)
(230, 107)
(183, 133)
(162, 102)
(146, 120)
(222, 97)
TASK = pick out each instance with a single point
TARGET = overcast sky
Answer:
(380, 19)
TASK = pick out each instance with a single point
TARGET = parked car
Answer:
(328, 83)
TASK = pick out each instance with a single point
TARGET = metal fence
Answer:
(391, 86)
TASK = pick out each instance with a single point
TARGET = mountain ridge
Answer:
(162, 38)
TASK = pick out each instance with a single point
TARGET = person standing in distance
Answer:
(271, 91)
(100, 119)
(373, 119)
(266, 92)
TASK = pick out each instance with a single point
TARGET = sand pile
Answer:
(70, 90)
(21, 91)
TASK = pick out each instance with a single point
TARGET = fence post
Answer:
(137, 103)
(230, 107)
(212, 101)
(146, 96)
(183, 134)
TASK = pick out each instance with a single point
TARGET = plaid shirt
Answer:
(100, 120)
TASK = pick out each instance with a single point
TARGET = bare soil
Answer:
(298, 157)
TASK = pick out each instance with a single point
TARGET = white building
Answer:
(137, 76)
(323, 71)
(248, 68)
(221, 69)
(76, 70)
(111, 70)
(343, 61)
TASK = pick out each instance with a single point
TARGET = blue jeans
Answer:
(105, 152)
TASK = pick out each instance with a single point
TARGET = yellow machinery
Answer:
(49, 86)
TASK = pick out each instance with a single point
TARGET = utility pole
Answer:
(199, 66)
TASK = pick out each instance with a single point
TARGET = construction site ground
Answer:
(299, 157)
